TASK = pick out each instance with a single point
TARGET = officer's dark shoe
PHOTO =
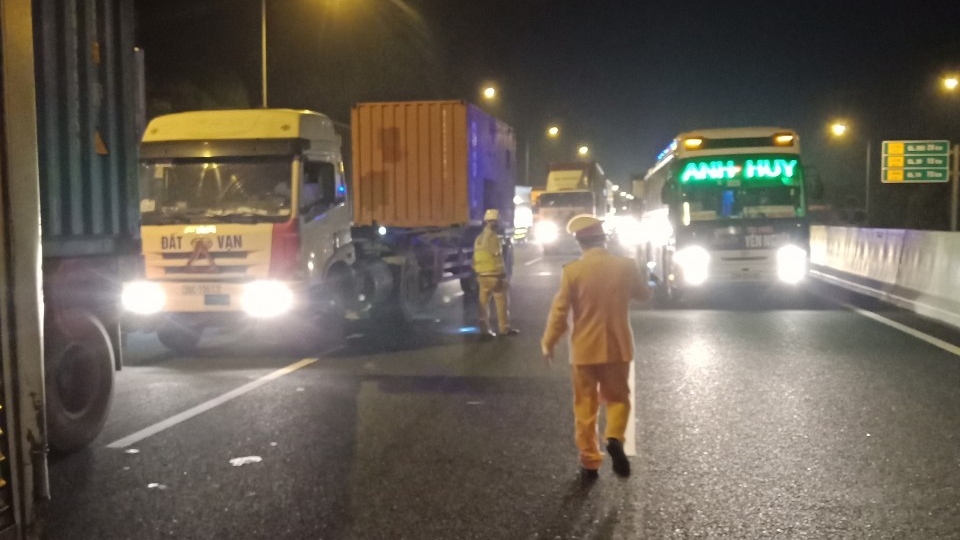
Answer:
(621, 465)
(510, 332)
(487, 336)
(587, 476)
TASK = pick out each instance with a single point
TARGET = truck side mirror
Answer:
(813, 183)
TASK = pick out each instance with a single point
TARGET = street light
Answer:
(583, 150)
(951, 83)
(553, 132)
(839, 130)
(263, 50)
(489, 93)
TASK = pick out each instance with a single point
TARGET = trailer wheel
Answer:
(416, 286)
(179, 337)
(79, 365)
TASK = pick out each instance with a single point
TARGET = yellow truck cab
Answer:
(244, 216)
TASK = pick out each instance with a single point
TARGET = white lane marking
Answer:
(631, 434)
(207, 405)
(936, 342)
(533, 262)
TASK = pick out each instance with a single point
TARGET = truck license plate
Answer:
(197, 290)
(216, 299)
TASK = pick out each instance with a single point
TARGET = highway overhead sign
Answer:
(915, 161)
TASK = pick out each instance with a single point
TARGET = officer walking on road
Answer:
(597, 289)
(491, 273)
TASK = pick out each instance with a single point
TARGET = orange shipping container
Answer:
(430, 164)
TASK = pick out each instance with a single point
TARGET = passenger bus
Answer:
(725, 206)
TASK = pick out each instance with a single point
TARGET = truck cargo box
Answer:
(430, 164)
(89, 104)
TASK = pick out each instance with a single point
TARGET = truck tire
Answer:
(79, 365)
(471, 290)
(180, 338)
(416, 286)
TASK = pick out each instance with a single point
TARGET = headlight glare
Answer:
(143, 297)
(546, 232)
(695, 263)
(266, 299)
(791, 264)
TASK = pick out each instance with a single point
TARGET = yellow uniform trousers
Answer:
(498, 287)
(593, 383)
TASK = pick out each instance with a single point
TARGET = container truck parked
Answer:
(248, 218)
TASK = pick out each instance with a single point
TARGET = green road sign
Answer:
(915, 161)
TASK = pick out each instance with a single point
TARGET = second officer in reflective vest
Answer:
(491, 272)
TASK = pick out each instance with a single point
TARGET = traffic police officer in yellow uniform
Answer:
(596, 289)
(491, 273)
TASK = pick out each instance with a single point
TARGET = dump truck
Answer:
(249, 219)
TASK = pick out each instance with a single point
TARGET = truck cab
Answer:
(245, 217)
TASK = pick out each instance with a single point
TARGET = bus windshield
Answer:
(197, 190)
(713, 202)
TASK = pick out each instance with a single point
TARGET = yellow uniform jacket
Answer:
(488, 254)
(596, 290)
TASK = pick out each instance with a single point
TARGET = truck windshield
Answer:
(216, 189)
(567, 199)
(712, 202)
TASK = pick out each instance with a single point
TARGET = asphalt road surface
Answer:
(758, 415)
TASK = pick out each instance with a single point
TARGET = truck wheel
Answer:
(180, 338)
(471, 289)
(79, 365)
(416, 286)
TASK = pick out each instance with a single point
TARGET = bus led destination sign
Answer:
(750, 169)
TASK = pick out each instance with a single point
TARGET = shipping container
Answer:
(89, 112)
(89, 103)
(430, 164)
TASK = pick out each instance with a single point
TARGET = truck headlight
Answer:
(546, 232)
(266, 299)
(791, 264)
(143, 297)
(695, 263)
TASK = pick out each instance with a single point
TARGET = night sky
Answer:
(622, 77)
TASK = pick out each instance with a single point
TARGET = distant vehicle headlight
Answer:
(791, 264)
(629, 232)
(546, 232)
(695, 263)
(266, 299)
(143, 297)
(522, 217)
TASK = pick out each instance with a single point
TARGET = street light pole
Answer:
(263, 50)
(866, 196)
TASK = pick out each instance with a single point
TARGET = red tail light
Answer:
(285, 250)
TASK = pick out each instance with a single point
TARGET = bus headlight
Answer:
(791, 264)
(695, 263)
(546, 231)
(143, 297)
(266, 299)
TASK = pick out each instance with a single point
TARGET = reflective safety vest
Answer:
(488, 254)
